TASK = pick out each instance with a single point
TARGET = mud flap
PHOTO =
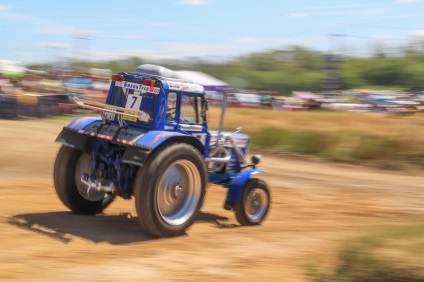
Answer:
(236, 187)
(71, 138)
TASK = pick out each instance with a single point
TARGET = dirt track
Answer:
(314, 205)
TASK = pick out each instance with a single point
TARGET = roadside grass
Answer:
(376, 139)
(387, 254)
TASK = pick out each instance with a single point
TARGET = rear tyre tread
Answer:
(146, 189)
(65, 185)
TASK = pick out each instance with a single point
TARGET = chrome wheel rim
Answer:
(178, 192)
(256, 204)
(84, 165)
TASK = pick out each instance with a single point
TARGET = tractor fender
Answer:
(70, 136)
(236, 185)
(151, 141)
(154, 139)
(82, 122)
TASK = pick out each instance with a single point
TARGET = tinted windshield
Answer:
(134, 96)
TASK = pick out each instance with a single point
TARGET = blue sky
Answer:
(41, 31)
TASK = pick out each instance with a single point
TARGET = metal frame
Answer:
(92, 105)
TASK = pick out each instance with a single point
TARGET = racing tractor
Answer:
(151, 142)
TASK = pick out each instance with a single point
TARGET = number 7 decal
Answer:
(135, 99)
(133, 102)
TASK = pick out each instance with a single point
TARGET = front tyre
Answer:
(169, 190)
(69, 166)
(254, 202)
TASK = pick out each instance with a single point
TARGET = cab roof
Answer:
(159, 73)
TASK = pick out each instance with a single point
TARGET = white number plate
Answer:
(133, 102)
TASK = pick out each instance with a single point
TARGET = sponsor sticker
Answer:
(167, 127)
(174, 85)
(133, 119)
(191, 127)
(185, 86)
(138, 87)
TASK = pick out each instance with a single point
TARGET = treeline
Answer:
(297, 68)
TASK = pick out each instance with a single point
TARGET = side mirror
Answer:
(256, 159)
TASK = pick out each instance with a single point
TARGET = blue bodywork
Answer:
(124, 145)
(235, 187)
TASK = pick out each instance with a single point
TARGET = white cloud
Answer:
(40, 25)
(189, 49)
(156, 24)
(417, 32)
(50, 28)
(260, 39)
(408, 1)
(194, 2)
(383, 37)
(277, 40)
(105, 54)
(335, 12)
(52, 44)
(7, 14)
(25, 54)
(297, 15)
(373, 12)
(4, 7)
(333, 9)
(178, 50)
(169, 50)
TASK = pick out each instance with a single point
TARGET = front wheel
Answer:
(169, 190)
(254, 202)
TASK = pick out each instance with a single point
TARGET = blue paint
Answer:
(237, 184)
(82, 122)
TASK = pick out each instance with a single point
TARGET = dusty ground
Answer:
(314, 206)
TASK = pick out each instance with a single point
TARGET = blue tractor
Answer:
(151, 143)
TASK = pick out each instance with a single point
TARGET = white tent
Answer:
(201, 78)
(213, 86)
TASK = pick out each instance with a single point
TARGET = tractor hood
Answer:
(241, 139)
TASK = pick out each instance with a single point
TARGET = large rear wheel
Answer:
(69, 167)
(169, 190)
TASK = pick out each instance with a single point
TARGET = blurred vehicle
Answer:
(402, 107)
(152, 142)
(78, 82)
(283, 103)
(12, 69)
